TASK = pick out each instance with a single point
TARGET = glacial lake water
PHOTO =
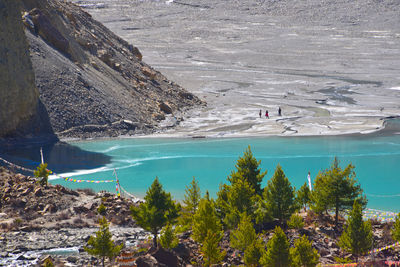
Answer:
(175, 161)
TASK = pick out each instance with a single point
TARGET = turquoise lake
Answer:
(175, 161)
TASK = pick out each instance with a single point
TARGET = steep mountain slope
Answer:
(90, 81)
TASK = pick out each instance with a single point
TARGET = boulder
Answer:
(182, 251)
(166, 257)
(146, 261)
(164, 107)
(149, 72)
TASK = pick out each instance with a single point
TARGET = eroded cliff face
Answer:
(19, 97)
(62, 71)
(91, 82)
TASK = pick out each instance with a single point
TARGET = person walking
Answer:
(260, 113)
(279, 111)
(266, 114)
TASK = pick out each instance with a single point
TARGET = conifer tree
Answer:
(303, 255)
(320, 196)
(192, 196)
(210, 248)
(157, 210)
(253, 253)
(168, 239)
(396, 228)
(357, 235)
(102, 245)
(303, 196)
(244, 235)
(247, 168)
(262, 214)
(207, 230)
(336, 188)
(279, 196)
(277, 254)
(205, 219)
(42, 173)
(191, 202)
(240, 199)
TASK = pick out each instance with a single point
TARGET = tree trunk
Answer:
(337, 216)
(102, 261)
(155, 239)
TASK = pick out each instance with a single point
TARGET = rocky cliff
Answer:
(19, 98)
(90, 81)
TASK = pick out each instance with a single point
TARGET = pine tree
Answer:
(191, 202)
(210, 248)
(244, 235)
(240, 199)
(205, 219)
(43, 173)
(279, 196)
(357, 236)
(157, 210)
(303, 255)
(168, 239)
(253, 252)
(277, 254)
(192, 196)
(247, 168)
(102, 245)
(303, 196)
(207, 230)
(320, 196)
(244, 191)
(337, 188)
(396, 228)
(262, 214)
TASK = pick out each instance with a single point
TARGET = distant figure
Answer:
(266, 114)
(279, 111)
(259, 113)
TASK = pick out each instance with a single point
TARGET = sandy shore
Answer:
(332, 68)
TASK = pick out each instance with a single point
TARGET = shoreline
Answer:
(383, 131)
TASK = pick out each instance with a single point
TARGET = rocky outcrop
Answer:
(19, 98)
(89, 82)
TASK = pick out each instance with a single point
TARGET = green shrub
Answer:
(102, 209)
(295, 222)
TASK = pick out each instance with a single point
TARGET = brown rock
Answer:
(164, 107)
(49, 208)
(26, 191)
(166, 257)
(149, 72)
(38, 192)
(146, 261)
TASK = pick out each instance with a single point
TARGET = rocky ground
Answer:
(37, 222)
(332, 66)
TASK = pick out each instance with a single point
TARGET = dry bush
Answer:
(310, 217)
(87, 191)
(62, 216)
(387, 233)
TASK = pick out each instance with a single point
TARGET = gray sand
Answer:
(332, 66)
